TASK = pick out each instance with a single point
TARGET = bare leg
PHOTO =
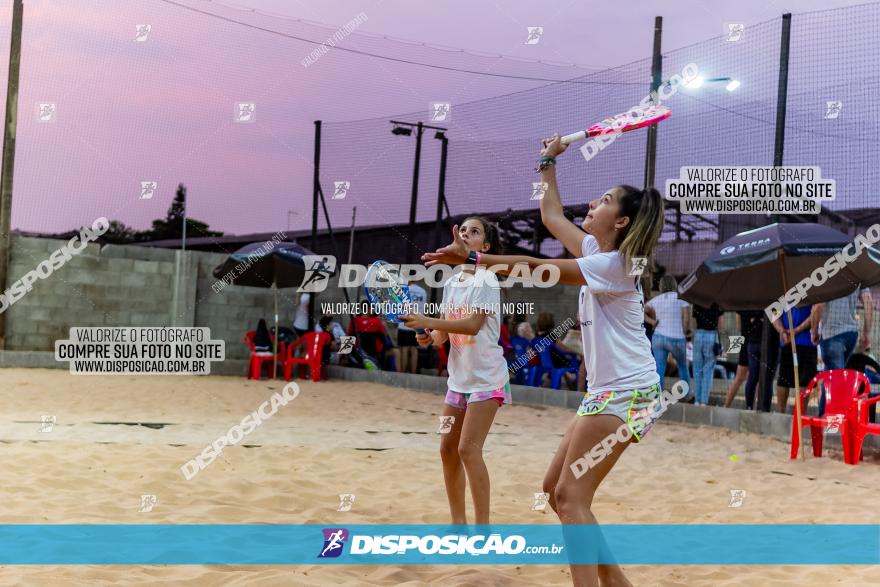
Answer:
(413, 353)
(574, 496)
(555, 468)
(403, 360)
(395, 353)
(742, 373)
(406, 359)
(477, 421)
(781, 398)
(582, 376)
(453, 471)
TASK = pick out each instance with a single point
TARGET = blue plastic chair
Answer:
(521, 348)
(556, 373)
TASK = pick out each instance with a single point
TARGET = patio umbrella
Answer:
(262, 265)
(753, 269)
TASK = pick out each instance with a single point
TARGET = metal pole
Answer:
(8, 164)
(782, 93)
(275, 340)
(656, 74)
(181, 276)
(778, 148)
(441, 199)
(351, 237)
(415, 187)
(782, 90)
(183, 234)
(316, 187)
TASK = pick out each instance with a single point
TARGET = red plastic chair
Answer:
(313, 343)
(842, 388)
(862, 428)
(255, 365)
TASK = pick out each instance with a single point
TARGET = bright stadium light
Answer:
(732, 85)
(695, 83)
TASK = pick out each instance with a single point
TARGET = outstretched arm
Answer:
(470, 325)
(552, 215)
(457, 252)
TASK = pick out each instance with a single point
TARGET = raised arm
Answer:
(552, 215)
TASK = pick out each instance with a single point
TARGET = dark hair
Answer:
(491, 231)
(668, 284)
(546, 322)
(646, 214)
(325, 321)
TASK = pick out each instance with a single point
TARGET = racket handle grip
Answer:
(420, 331)
(573, 137)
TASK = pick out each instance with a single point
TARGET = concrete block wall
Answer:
(125, 285)
(97, 287)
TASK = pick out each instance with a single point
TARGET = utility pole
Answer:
(8, 163)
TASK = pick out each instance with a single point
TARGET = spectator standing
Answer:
(301, 320)
(673, 322)
(705, 352)
(807, 354)
(749, 326)
(757, 319)
(835, 328)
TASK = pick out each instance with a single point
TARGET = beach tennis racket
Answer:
(638, 117)
(382, 287)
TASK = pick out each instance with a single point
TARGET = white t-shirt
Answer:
(419, 297)
(617, 353)
(301, 320)
(476, 363)
(668, 307)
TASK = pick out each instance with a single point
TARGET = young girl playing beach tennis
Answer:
(622, 382)
(478, 382)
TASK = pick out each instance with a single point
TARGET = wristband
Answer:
(545, 162)
(472, 258)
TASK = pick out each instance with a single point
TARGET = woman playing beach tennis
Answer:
(622, 383)
(478, 382)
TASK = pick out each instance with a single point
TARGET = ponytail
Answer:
(646, 213)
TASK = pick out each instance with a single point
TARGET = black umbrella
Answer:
(266, 264)
(262, 264)
(756, 268)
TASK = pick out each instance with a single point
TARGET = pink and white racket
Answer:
(638, 117)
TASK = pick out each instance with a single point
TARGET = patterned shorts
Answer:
(638, 408)
(461, 400)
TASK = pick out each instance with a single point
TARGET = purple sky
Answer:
(162, 110)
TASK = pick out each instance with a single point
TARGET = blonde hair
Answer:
(646, 213)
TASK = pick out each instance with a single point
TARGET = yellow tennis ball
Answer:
(733, 457)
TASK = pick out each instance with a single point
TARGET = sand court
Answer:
(118, 438)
